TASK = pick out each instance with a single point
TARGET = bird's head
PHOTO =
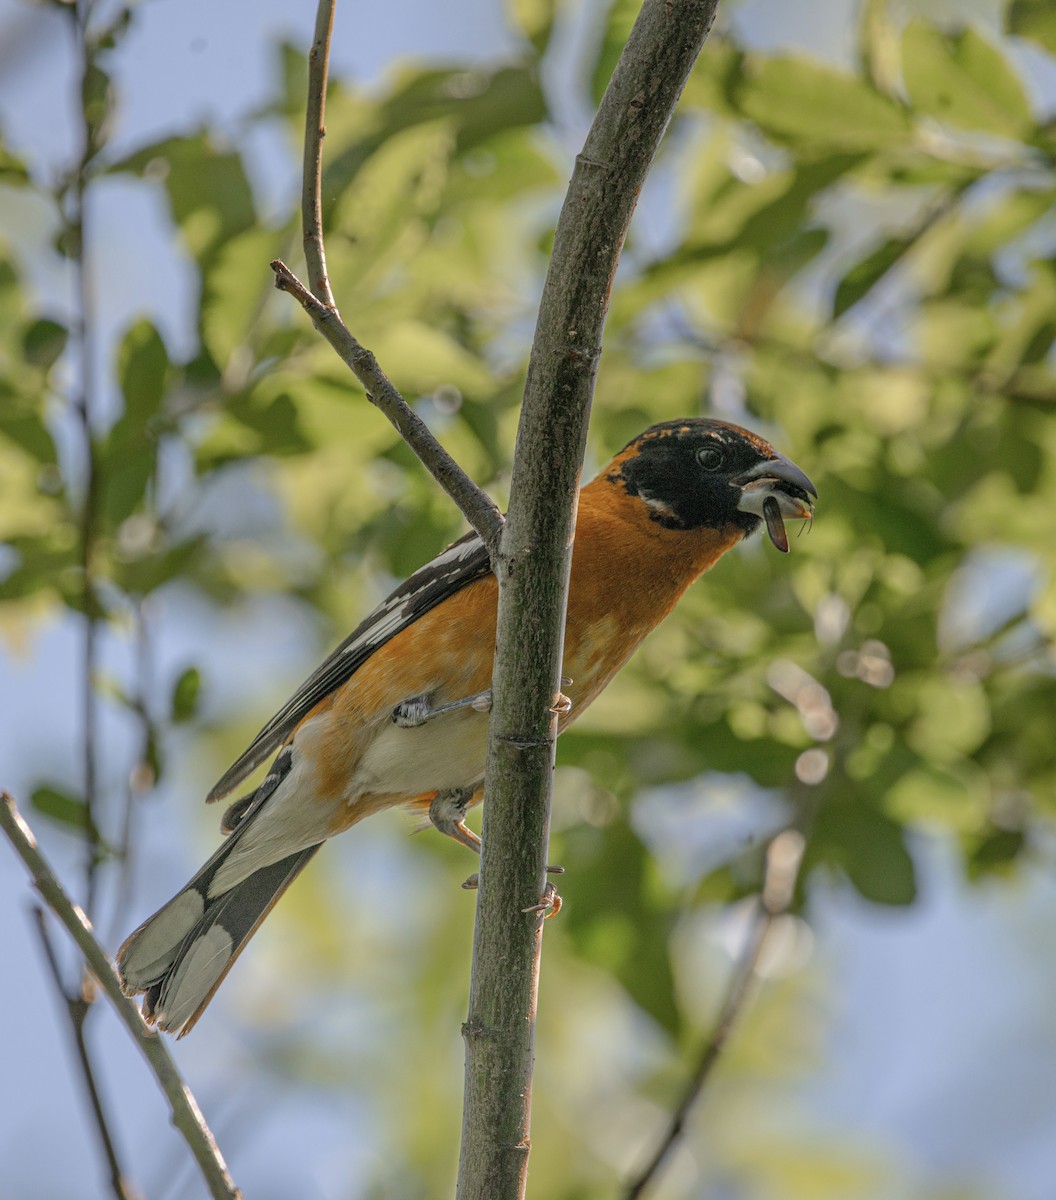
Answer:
(702, 472)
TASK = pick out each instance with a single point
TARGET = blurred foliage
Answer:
(858, 263)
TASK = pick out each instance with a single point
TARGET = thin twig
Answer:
(77, 1009)
(186, 1116)
(783, 858)
(314, 132)
(475, 504)
(137, 780)
(318, 302)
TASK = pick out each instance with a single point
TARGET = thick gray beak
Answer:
(776, 470)
(775, 489)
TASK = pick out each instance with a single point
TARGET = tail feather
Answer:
(180, 955)
(177, 998)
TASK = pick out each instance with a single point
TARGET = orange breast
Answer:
(627, 574)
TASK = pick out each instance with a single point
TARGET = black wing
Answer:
(460, 564)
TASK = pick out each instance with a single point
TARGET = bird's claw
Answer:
(473, 882)
(549, 905)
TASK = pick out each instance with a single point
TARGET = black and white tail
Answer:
(180, 955)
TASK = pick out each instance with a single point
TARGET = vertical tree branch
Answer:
(186, 1116)
(533, 568)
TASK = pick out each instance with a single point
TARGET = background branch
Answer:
(533, 569)
(83, 406)
(186, 1116)
(77, 1008)
(783, 858)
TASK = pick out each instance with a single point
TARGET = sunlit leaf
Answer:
(12, 169)
(207, 188)
(962, 79)
(233, 290)
(804, 103)
(534, 18)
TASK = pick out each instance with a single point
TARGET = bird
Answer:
(397, 715)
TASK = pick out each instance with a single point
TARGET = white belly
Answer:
(446, 752)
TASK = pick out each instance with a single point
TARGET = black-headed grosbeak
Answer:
(398, 714)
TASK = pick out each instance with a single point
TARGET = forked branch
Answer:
(475, 504)
(318, 302)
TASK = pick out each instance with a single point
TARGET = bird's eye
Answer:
(710, 457)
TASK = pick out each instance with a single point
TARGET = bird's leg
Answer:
(448, 812)
(416, 710)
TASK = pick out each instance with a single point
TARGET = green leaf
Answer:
(140, 576)
(126, 458)
(1033, 19)
(63, 808)
(142, 367)
(185, 695)
(41, 563)
(801, 102)
(12, 169)
(866, 273)
(22, 422)
(871, 848)
(232, 288)
(208, 190)
(996, 852)
(962, 79)
(43, 342)
(478, 104)
(780, 228)
(614, 920)
(97, 105)
(274, 419)
(109, 36)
